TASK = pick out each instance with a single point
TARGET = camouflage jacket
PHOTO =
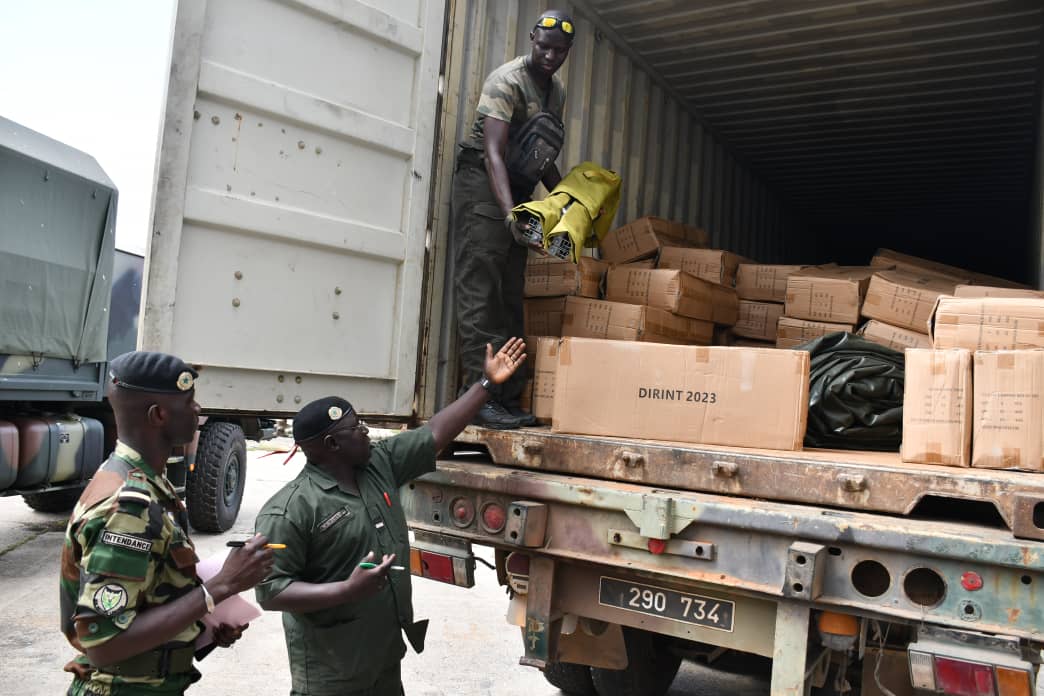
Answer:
(512, 95)
(126, 549)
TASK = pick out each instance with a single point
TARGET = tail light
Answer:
(494, 517)
(964, 670)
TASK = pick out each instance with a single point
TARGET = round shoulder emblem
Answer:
(110, 599)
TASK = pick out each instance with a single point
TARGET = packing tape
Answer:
(701, 355)
(748, 364)
(565, 353)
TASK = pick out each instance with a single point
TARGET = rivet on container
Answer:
(297, 399)
(298, 379)
(337, 290)
(239, 275)
(235, 302)
(280, 378)
(279, 398)
(336, 315)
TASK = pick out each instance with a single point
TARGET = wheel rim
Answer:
(231, 480)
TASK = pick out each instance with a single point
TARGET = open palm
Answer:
(501, 366)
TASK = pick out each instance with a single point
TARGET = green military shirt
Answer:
(126, 549)
(511, 94)
(328, 531)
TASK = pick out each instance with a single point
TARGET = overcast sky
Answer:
(93, 74)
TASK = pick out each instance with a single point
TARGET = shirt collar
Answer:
(319, 476)
(131, 456)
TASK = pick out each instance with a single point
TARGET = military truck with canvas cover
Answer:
(69, 302)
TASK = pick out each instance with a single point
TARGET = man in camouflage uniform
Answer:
(489, 271)
(130, 597)
(345, 606)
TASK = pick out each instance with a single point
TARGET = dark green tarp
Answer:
(57, 241)
(855, 394)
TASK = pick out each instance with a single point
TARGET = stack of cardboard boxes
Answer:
(631, 360)
(618, 347)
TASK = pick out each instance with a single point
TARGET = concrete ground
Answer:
(471, 649)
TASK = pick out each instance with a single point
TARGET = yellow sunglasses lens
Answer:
(548, 22)
(567, 27)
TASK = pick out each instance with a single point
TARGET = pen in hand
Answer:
(366, 565)
(241, 544)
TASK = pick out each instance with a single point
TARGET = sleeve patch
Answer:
(127, 541)
(110, 599)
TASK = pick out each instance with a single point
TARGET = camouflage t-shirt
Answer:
(512, 95)
(125, 550)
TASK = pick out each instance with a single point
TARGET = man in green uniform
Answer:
(344, 621)
(130, 598)
(489, 270)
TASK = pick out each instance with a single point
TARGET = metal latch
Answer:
(656, 518)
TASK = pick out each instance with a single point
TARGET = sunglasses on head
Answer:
(551, 22)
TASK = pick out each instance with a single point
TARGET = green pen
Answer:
(367, 565)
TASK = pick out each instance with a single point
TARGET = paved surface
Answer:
(471, 649)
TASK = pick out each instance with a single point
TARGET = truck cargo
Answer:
(781, 133)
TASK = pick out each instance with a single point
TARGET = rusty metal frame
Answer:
(753, 541)
(847, 480)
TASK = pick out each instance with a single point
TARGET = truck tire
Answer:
(63, 500)
(571, 679)
(651, 668)
(214, 489)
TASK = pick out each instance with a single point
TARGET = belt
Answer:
(155, 663)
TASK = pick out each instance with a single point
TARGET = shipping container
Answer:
(301, 247)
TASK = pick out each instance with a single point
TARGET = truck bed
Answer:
(850, 480)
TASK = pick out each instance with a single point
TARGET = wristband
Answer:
(208, 598)
(486, 384)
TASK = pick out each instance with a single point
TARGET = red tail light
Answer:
(959, 678)
(494, 517)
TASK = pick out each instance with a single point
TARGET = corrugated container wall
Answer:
(618, 115)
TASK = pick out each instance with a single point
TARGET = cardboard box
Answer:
(1009, 418)
(675, 291)
(544, 317)
(620, 321)
(547, 276)
(887, 258)
(758, 320)
(980, 291)
(832, 295)
(904, 299)
(644, 237)
(937, 407)
(989, 323)
(894, 337)
(745, 397)
(764, 282)
(714, 265)
(792, 332)
(647, 264)
(544, 355)
(726, 305)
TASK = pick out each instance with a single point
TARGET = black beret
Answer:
(152, 372)
(317, 417)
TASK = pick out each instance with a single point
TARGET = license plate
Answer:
(668, 604)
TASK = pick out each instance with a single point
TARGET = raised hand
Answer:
(508, 359)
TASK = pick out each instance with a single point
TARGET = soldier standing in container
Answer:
(345, 603)
(489, 272)
(130, 598)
